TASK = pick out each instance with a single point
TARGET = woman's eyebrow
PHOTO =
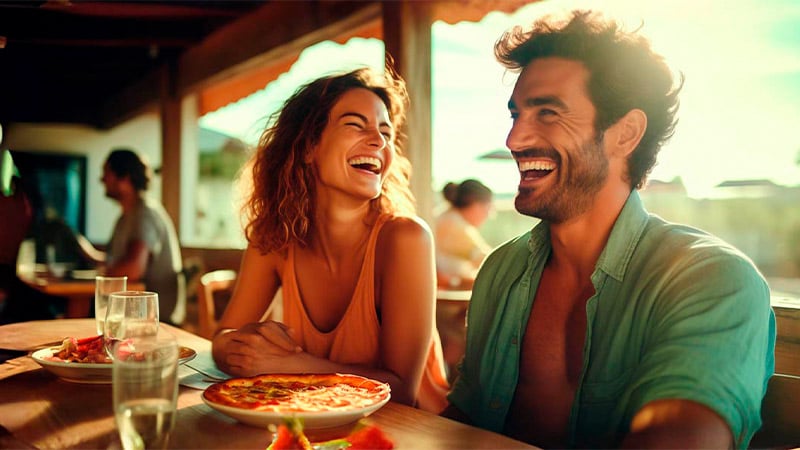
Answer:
(364, 118)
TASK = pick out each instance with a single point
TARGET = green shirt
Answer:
(677, 314)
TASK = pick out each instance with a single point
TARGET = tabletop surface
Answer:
(44, 411)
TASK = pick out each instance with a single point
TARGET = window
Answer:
(229, 134)
(733, 166)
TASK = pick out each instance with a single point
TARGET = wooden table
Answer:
(47, 412)
(79, 293)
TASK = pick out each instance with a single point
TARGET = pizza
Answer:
(287, 393)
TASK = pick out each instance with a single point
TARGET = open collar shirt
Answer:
(677, 313)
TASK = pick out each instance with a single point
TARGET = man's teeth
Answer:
(536, 165)
(366, 160)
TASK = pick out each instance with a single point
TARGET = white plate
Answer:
(311, 419)
(98, 373)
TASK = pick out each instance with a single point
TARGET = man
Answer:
(144, 245)
(605, 325)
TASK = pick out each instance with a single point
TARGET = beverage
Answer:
(100, 307)
(145, 423)
(103, 287)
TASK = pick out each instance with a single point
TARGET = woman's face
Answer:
(356, 148)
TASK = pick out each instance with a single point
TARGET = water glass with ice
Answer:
(145, 390)
(130, 314)
(103, 287)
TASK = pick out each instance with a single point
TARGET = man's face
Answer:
(111, 182)
(562, 164)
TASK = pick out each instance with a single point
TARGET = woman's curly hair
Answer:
(281, 183)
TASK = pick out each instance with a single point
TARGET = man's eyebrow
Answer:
(551, 100)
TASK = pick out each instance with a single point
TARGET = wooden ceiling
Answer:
(94, 63)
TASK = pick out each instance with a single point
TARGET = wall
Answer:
(142, 134)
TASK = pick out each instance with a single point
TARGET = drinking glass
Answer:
(144, 378)
(130, 314)
(103, 286)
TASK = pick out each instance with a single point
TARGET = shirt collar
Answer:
(622, 241)
(624, 237)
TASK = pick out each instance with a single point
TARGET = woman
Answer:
(460, 248)
(331, 221)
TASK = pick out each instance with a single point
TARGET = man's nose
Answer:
(522, 135)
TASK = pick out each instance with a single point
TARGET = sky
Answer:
(740, 105)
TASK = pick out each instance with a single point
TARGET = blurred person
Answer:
(144, 245)
(19, 302)
(605, 325)
(331, 220)
(460, 248)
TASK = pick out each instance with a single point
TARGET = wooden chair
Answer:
(211, 282)
(780, 414)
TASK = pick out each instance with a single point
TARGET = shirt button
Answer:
(514, 341)
(496, 404)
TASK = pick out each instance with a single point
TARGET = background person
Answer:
(19, 302)
(143, 245)
(331, 221)
(605, 325)
(460, 248)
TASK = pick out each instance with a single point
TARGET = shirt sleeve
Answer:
(712, 341)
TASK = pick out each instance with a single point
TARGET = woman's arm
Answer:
(256, 285)
(406, 289)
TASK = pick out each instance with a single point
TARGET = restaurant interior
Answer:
(79, 78)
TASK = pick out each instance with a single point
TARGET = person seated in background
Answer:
(460, 248)
(331, 220)
(19, 302)
(605, 325)
(143, 245)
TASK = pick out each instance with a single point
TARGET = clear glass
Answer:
(103, 287)
(145, 390)
(130, 314)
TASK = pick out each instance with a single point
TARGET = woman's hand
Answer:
(259, 348)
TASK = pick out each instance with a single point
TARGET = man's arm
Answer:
(133, 264)
(452, 412)
(674, 423)
(88, 250)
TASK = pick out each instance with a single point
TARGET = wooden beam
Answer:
(170, 106)
(243, 45)
(246, 43)
(407, 36)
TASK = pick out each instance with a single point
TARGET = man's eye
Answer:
(354, 124)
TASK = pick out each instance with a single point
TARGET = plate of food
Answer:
(318, 400)
(85, 360)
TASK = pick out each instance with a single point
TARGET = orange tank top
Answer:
(355, 339)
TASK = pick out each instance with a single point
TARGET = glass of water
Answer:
(130, 314)
(145, 390)
(103, 287)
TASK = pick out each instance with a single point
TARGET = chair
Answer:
(211, 282)
(779, 414)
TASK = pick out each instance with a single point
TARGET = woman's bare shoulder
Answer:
(403, 233)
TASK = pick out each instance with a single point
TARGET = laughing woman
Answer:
(330, 219)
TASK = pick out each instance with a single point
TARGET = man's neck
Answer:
(578, 242)
(129, 201)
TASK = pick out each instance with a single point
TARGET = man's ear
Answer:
(628, 131)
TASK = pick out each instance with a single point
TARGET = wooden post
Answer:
(407, 36)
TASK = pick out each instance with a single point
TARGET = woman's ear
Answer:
(628, 131)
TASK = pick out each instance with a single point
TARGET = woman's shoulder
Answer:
(400, 231)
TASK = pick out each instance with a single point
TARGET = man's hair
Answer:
(280, 201)
(624, 74)
(126, 163)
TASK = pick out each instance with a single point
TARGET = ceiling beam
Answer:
(241, 46)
